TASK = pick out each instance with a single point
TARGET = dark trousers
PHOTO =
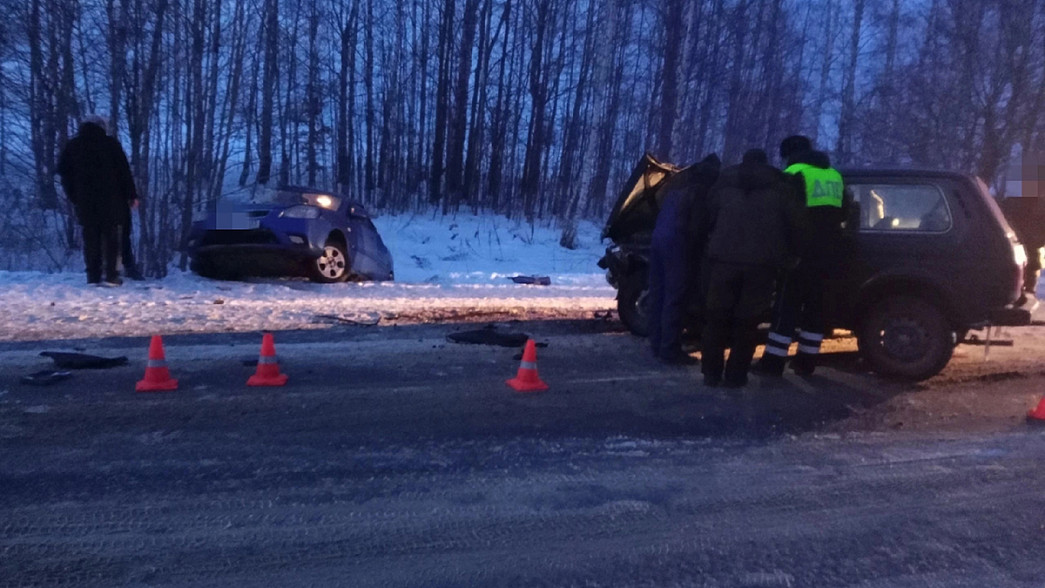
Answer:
(101, 251)
(668, 285)
(738, 296)
(799, 305)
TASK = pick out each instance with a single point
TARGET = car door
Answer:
(365, 252)
(905, 227)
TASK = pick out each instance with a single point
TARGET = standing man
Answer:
(675, 256)
(97, 180)
(753, 220)
(800, 295)
(1024, 209)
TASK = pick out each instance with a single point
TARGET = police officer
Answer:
(800, 294)
(674, 257)
(753, 218)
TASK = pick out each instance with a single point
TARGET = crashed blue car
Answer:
(289, 231)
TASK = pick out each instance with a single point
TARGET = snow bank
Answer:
(446, 268)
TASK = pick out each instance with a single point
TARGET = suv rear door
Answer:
(932, 235)
(906, 233)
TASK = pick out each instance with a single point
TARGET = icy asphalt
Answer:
(396, 458)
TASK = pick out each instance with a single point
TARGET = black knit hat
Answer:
(794, 144)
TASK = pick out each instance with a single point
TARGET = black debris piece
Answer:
(332, 318)
(489, 335)
(45, 377)
(83, 361)
(535, 280)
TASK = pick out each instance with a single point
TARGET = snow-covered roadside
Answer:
(446, 268)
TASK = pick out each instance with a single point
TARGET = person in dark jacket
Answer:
(675, 255)
(97, 180)
(821, 257)
(1024, 209)
(753, 221)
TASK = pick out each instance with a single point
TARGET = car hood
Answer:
(635, 211)
(239, 215)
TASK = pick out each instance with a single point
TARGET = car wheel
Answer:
(633, 301)
(207, 270)
(332, 266)
(906, 338)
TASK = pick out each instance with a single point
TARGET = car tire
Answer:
(633, 301)
(906, 338)
(206, 269)
(331, 267)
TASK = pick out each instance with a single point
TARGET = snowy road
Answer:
(395, 458)
(59, 306)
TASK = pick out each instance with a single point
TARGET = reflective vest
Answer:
(823, 185)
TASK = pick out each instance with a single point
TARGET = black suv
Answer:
(932, 257)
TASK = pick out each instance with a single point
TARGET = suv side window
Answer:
(902, 207)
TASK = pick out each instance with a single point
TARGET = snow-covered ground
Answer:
(446, 268)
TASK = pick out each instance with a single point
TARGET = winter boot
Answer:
(803, 364)
(770, 365)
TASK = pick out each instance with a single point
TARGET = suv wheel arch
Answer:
(906, 337)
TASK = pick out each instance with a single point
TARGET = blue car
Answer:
(290, 232)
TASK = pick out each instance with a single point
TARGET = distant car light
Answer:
(301, 211)
(324, 201)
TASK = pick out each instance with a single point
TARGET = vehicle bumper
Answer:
(256, 258)
(619, 261)
(1009, 317)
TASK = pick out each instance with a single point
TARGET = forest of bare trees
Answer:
(533, 109)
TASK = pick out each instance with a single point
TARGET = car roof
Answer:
(899, 172)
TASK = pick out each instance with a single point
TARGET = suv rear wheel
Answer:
(906, 337)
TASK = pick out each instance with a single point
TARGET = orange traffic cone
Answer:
(1037, 416)
(267, 373)
(157, 377)
(526, 379)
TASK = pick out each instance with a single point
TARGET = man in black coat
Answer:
(97, 180)
(753, 220)
(675, 257)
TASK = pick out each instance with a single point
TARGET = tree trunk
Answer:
(673, 25)
(459, 109)
(268, 90)
(446, 35)
(846, 121)
(538, 87)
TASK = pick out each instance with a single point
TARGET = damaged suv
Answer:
(932, 258)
